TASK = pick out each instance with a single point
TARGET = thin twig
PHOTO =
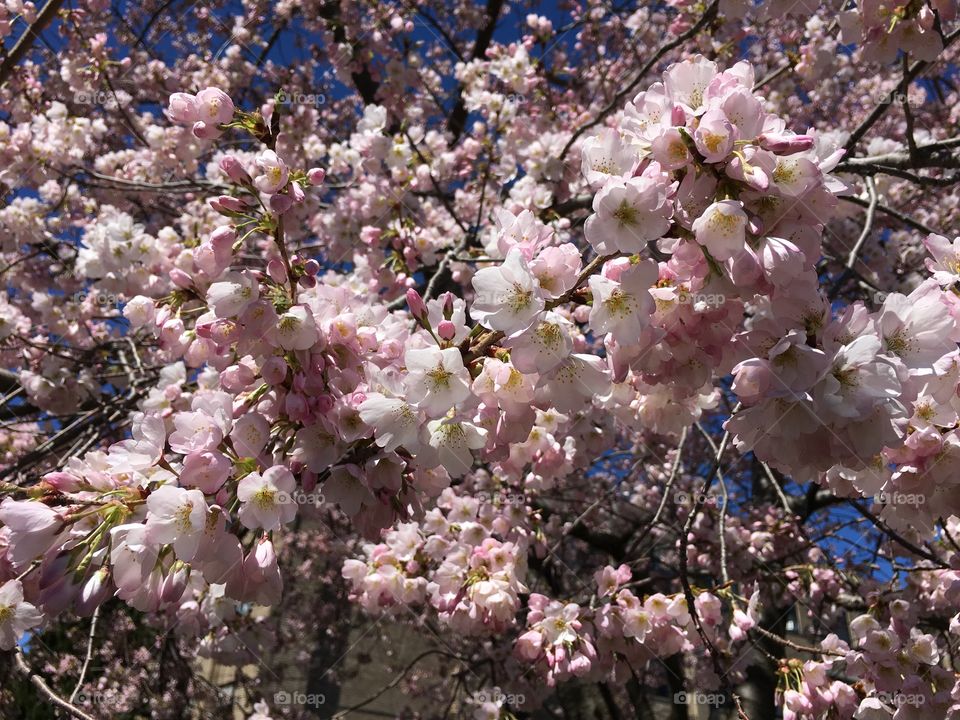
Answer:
(42, 686)
(666, 493)
(26, 40)
(86, 660)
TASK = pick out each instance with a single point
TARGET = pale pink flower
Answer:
(916, 328)
(16, 616)
(214, 106)
(945, 264)
(624, 308)
(543, 347)
(132, 556)
(453, 441)
(577, 379)
(182, 108)
(714, 136)
(437, 379)
(686, 82)
(629, 214)
(670, 149)
(139, 311)
(205, 470)
(795, 176)
(267, 498)
(722, 229)
(33, 527)
(273, 173)
(557, 268)
(176, 516)
(231, 295)
(144, 449)
(507, 297)
(296, 329)
(395, 421)
(250, 434)
(606, 155)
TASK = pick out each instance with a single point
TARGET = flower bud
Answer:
(180, 278)
(446, 330)
(234, 170)
(280, 203)
(415, 302)
(276, 271)
(448, 305)
(274, 370)
(785, 144)
(182, 108)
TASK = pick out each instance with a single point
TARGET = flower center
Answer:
(897, 343)
(519, 298)
(183, 516)
(264, 497)
(626, 213)
(618, 304)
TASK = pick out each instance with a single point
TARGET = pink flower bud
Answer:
(296, 193)
(415, 302)
(446, 330)
(529, 645)
(95, 590)
(234, 170)
(64, 482)
(206, 131)
(175, 583)
(182, 109)
(280, 203)
(276, 271)
(448, 305)
(785, 144)
(274, 370)
(214, 106)
(227, 202)
(180, 278)
(236, 377)
(316, 175)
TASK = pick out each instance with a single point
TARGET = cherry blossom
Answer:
(609, 347)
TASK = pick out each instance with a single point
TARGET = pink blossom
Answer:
(267, 498)
(16, 616)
